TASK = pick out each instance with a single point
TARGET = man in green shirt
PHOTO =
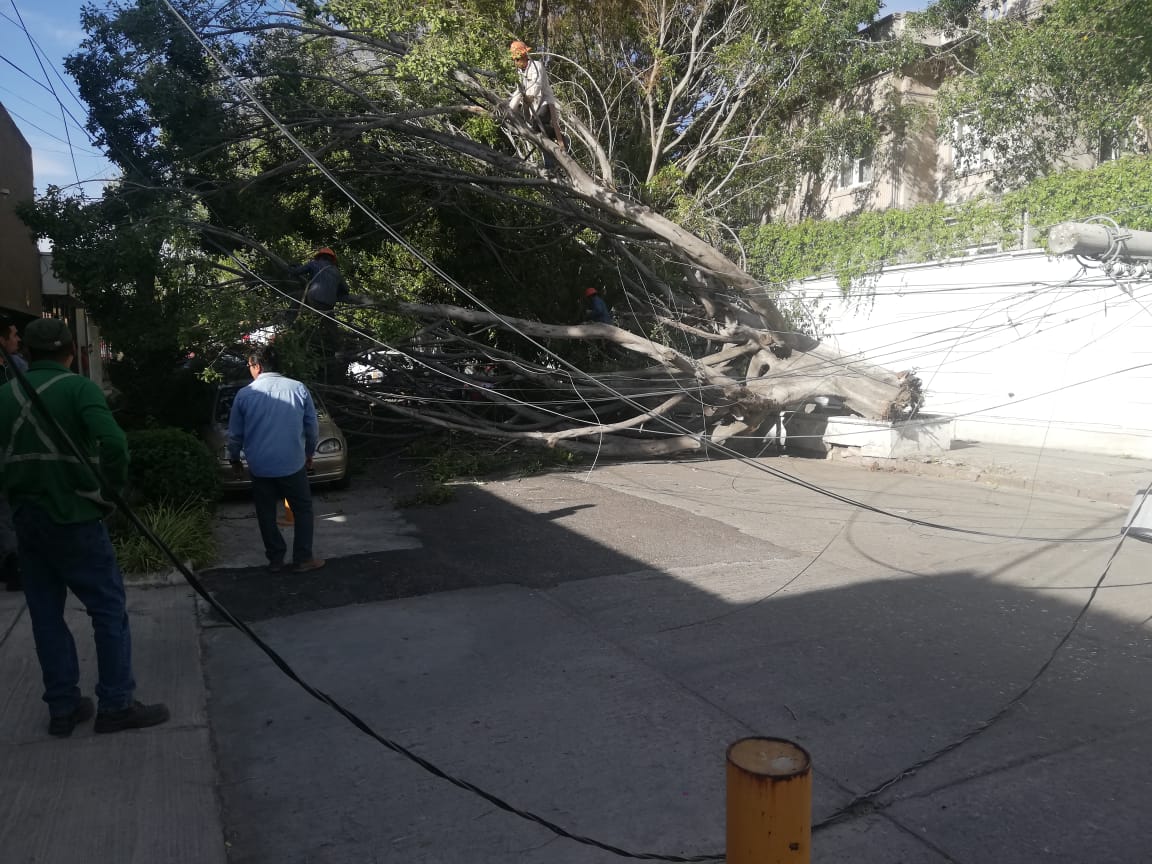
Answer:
(58, 511)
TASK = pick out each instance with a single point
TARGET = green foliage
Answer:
(188, 252)
(169, 466)
(186, 528)
(859, 246)
(442, 36)
(457, 456)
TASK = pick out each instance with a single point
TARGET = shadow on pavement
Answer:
(480, 539)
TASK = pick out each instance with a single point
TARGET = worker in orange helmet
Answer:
(533, 96)
(597, 310)
(326, 285)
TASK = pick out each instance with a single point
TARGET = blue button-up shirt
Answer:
(273, 421)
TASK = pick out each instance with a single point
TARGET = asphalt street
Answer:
(586, 646)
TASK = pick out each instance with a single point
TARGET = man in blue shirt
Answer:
(273, 421)
(597, 311)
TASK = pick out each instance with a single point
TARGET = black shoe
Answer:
(62, 725)
(135, 716)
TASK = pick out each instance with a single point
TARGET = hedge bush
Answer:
(170, 466)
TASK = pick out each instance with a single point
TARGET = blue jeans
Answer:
(80, 557)
(266, 494)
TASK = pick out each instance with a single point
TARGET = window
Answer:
(854, 171)
(969, 153)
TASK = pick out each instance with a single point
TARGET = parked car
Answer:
(329, 464)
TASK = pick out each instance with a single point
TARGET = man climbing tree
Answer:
(534, 96)
(326, 285)
(596, 309)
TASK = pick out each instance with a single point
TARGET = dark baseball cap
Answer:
(47, 334)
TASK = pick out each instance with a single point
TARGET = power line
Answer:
(48, 79)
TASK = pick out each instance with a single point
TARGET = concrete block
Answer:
(923, 436)
(804, 433)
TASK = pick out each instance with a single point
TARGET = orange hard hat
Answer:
(518, 49)
(589, 292)
(324, 250)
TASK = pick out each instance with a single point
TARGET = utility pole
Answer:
(1100, 240)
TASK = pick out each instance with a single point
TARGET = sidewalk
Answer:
(132, 798)
(1093, 476)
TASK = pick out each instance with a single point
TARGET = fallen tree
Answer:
(408, 121)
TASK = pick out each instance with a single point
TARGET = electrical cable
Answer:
(859, 803)
(40, 61)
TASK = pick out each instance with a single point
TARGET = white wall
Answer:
(990, 336)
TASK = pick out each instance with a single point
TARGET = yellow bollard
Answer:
(769, 802)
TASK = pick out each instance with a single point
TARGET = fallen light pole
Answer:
(1102, 239)
(769, 802)
(1139, 520)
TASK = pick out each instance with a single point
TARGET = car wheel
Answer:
(343, 482)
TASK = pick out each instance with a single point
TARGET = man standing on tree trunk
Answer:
(534, 92)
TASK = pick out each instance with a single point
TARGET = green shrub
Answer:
(187, 529)
(171, 467)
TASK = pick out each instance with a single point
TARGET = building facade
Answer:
(19, 258)
(914, 161)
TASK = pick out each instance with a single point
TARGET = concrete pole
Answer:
(769, 802)
(1094, 239)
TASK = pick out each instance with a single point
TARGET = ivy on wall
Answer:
(857, 247)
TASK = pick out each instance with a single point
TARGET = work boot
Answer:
(309, 565)
(135, 716)
(61, 725)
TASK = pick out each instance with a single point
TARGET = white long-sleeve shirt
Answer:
(534, 89)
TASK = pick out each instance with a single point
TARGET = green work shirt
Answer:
(38, 470)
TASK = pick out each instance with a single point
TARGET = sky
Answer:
(55, 26)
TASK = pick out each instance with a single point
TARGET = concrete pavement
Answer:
(131, 798)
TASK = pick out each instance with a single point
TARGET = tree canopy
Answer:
(684, 119)
(1042, 87)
